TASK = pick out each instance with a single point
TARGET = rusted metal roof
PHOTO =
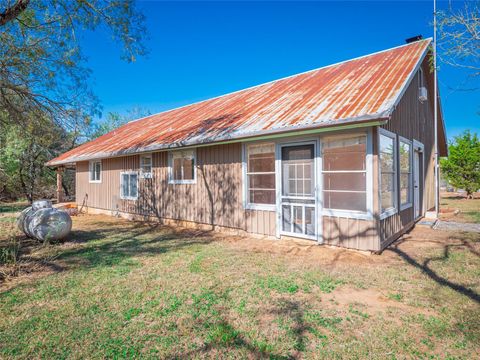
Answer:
(360, 89)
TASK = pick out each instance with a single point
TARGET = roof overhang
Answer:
(336, 125)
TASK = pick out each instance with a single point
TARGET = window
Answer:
(146, 166)
(95, 171)
(129, 185)
(387, 172)
(297, 163)
(261, 174)
(345, 173)
(182, 167)
(405, 156)
(420, 78)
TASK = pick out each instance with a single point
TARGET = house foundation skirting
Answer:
(174, 222)
(218, 229)
(396, 236)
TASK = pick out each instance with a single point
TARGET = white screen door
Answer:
(298, 210)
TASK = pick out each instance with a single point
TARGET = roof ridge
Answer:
(429, 39)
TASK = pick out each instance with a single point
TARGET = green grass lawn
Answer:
(118, 289)
(469, 209)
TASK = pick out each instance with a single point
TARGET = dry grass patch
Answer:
(456, 207)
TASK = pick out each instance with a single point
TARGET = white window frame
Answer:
(246, 204)
(146, 174)
(121, 185)
(171, 180)
(394, 209)
(408, 204)
(353, 214)
(91, 165)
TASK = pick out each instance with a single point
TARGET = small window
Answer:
(95, 171)
(405, 156)
(345, 173)
(261, 174)
(129, 185)
(182, 167)
(146, 166)
(387, 151)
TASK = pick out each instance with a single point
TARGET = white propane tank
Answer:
(43, 222)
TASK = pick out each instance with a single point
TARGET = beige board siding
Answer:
(413, 120)
(350, 233)
(104, 195)
(393, 226)
(215, 198)
(261, 222)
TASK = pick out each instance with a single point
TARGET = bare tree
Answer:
(459, 36)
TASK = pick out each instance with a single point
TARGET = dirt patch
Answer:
(326, 255)
(373, 301)
(420, 238)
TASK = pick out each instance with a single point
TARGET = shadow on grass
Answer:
(227, 337)
(424, 266)
(112, 246)
(104, 246)
(232, 339)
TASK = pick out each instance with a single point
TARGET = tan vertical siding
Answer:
(215, 198)
(413, 120)
(260, 222)
(350, 233)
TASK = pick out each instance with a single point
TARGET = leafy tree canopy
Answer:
(24, 149)
(462, 167)
(43, 71)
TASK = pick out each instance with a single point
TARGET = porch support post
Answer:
(59, 184)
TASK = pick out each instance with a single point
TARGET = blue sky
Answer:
(203, 49)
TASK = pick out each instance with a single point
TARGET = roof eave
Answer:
(361, 121)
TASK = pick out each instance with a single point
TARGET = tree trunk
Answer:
(24, 185)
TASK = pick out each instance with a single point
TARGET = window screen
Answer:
(387, 172)
(146, 165)
(261, 173)
(297, 171)
(95, 171)
(345, 173)
(129, 185)
(183, 166)
(405, 156)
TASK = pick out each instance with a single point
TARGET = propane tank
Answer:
(43, 222)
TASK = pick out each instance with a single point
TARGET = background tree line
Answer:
(46, 104)
(25, 148)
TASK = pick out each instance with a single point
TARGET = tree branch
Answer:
(13, 11)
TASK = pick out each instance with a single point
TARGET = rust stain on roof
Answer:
(365, 88)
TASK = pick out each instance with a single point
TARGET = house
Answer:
(341, 155)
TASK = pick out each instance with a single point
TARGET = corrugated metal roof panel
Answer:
(359, 89)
